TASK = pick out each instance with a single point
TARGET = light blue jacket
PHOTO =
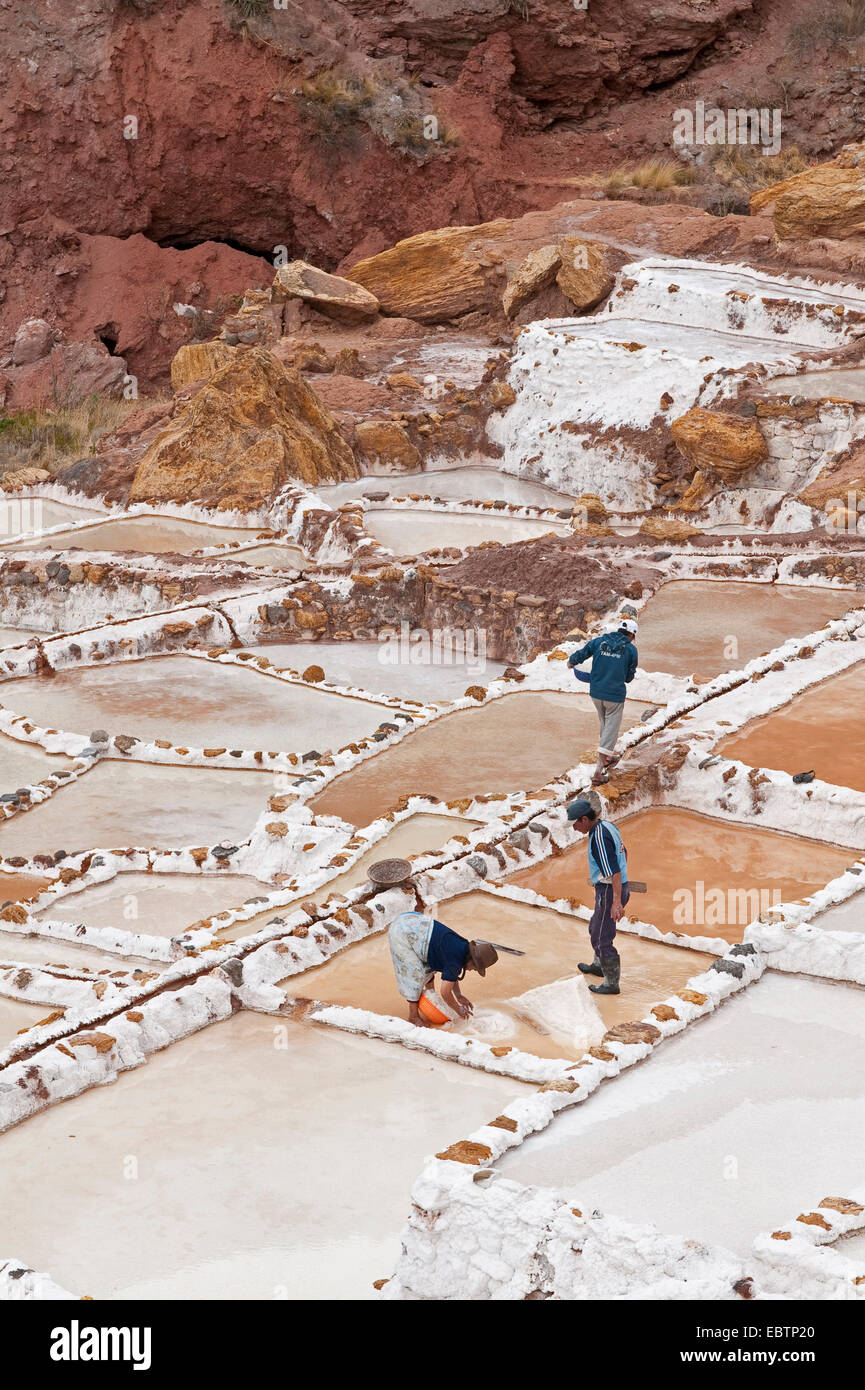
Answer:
(607, 853)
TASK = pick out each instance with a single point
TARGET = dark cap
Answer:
(483, 955)
(580, 808)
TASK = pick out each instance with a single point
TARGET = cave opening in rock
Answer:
(108, 335)
(188, 241)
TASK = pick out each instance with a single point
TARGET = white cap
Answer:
(629, 625)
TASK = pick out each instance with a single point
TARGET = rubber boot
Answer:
(596, 968)
(612, 966)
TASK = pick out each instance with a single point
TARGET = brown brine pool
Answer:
(705, 877)
(520, 741)
(702, 627)
(195, 703)
(362, 975)
(823, 728)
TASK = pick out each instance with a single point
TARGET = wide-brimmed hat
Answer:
(483, 955)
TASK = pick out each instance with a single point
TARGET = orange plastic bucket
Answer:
(429, 1011)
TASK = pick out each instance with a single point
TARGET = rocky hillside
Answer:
(159, 156)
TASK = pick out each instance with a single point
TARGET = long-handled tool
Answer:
(633, 883)
(509, 950)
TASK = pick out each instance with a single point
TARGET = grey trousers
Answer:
(610, 717)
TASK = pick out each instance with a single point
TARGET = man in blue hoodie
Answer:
(614, 662)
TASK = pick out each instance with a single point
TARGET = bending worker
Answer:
(608, 871)
(614, 662)
(422, 948)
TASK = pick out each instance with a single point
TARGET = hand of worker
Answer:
(463, 1006)
(616, 909)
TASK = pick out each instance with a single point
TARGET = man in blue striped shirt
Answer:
(608, 871)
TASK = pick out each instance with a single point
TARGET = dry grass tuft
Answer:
(744, 168)
(334, 101)
(658, 174)
(53, 439)
(830, 24)
(396, 110)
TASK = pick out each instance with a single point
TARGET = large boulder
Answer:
(437, 275)
(33, 340)
(587, 272)
(249, 430)
(662, 528)
(440, 275)
(67, 374)
(198, 361)
(19, 478)
(387, 446)
(722, 444)
(338, 298)
(534, 274)
(827, 200)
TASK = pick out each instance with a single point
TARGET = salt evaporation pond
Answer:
(846, 916)
(17, 636)
(152, 534)
(362, 975)
(843, 383)
(22, 515)
(411, 532)
(85, 960)
(706, 626)
(823, 728)
(304, 1140)
(155, 904)
(15, 1016)
(119, 805)
(14, 886)
(278, 557)
(418, 834)
(210, 705)
(705, 877)
(471, 751)
(729, 1129)
(469, 484)
(22, 764)
(384, 667)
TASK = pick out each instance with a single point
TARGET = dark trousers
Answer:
(602, 928)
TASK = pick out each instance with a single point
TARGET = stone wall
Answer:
(799, 438)
(516, 626)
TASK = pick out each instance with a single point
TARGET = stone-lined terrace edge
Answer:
(464, 1176)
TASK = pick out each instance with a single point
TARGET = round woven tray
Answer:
(387, 872)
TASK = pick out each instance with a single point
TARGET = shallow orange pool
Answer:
(362, 976)
(518, 742)
(823, 729)
(705, 877)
